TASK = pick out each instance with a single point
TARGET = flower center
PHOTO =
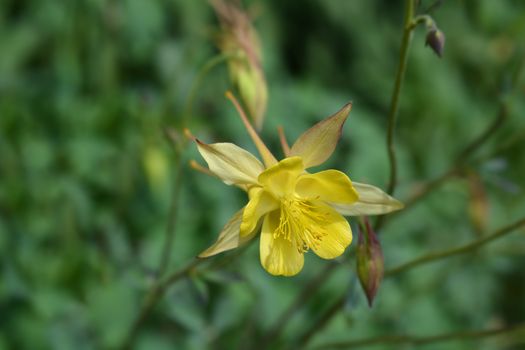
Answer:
(301, 223)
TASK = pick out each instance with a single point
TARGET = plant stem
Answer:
(322, 320)
(419, 340)
(155, 293)
(339, 303)
(306, 293)
(456, 251)
(161, 284)
(394, 104)
(172, 216)
(208, 66)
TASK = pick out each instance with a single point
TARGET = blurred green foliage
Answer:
(86, 174)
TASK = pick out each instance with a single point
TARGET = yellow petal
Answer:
(338, 237)
(278, 255)
(318, 143)
(229, 237)
(260, 203)
(280, 179)
(372, 201)
(230, 163)
(329, 185)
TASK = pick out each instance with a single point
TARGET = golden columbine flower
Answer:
(299, 211)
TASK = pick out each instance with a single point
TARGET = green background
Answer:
(87, 88)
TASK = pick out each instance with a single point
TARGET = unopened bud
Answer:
(370, 262)
(436, 40)
(239, 39)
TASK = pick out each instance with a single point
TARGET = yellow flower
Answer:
(295, 211)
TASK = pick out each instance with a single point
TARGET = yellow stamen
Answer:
(301, 224)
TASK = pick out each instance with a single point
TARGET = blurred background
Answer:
(87, 90)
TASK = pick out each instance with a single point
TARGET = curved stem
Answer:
(305, 294)
(159, 286)
(394, 104)
(459, 164)
(419, 340)
(456, 251)
(323, 320)
(208, 66)
(155, 293)
(172, 216)
(339, 303)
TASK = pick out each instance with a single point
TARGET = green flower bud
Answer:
(238, 38)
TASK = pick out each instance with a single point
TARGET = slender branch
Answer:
(307, 291)
(154, 295)
(420, 340)
(339, 303)
(475, 144)
(172, 216)
(208, 66)
(457, 166)
(485, 135)
(323, 320)
(394, 104)
(456, 251)
(161, 284)
(432, 185)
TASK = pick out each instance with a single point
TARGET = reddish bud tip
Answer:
(370, 262)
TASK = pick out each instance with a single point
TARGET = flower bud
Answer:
(436, 40)
(239, 39)
(370, 262)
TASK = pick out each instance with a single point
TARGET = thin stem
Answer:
(307, 291)
(159, 286)
(485, 135)
(457, 167)
(394, 104)
(420, 340)
(433, 185)
(323, 320)
(208, 66)
(455, 251)
(476, 143)
(173, 211)
(154, 295)
(172, 216)
(339, 303)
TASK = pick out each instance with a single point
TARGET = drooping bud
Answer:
(436, 40)
(370, 262)
(239, 39)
